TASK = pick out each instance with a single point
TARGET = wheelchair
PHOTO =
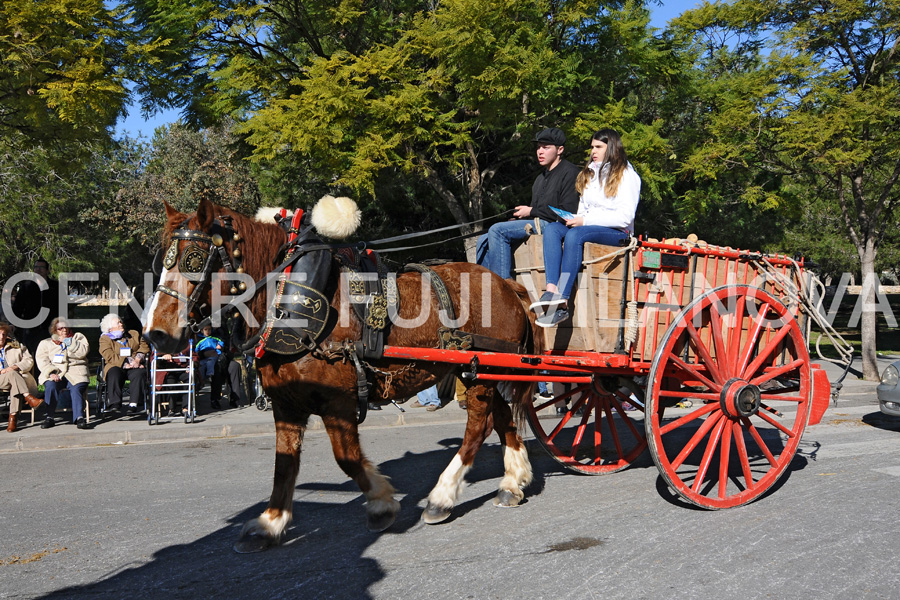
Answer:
(253, 386)
(102, 393)
(263, 402)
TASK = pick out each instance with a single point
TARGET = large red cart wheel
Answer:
(598, 433)
(741, 358)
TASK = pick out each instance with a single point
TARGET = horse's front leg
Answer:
(517, 467)
(268, 529)
(381, 507)
(443, 497)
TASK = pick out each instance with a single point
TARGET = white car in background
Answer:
(889, 390)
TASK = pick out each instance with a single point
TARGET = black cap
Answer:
(551, 135)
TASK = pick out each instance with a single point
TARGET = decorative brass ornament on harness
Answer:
(197, 262)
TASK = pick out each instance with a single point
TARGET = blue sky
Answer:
(137, 126)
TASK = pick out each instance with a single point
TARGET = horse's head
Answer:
(194, 247)
(217, 240)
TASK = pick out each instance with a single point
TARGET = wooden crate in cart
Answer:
(694, 352)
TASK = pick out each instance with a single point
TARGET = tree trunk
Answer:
(457, 209)
(475, 189)
(869, 316)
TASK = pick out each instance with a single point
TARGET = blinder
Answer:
(299, 299)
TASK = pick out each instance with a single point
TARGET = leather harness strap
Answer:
(454, 338)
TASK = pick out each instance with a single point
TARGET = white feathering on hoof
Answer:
(266, 214)
(336, 218)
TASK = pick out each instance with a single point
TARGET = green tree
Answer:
(62, 70)
(805, 106)
(439, 100)
(42, 200)
(180, 166)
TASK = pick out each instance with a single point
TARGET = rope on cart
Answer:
(804, 295)
(631, 246)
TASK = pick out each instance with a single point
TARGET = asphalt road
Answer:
(158, 520)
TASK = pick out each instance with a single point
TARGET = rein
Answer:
(409, 236)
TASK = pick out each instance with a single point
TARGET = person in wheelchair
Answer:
(123, 357)
(62, 363)
(216, 365)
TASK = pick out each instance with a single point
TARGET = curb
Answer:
(211, 426)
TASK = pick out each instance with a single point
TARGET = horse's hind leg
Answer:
(381, 508)
(443, 497)
(517, 467)
(268, 529)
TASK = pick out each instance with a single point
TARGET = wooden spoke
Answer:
(711, 444)
(770, 347)
(703, 352)
(693, 372)
(753, 336)
(771, 421)
(734, 341)
(724, 458)
(715, 325)
(773, 373)
(742, 456)
(704, 410)
(695, 440)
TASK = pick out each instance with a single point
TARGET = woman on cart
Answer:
(610, 189)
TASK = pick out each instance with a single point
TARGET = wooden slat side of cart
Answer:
(666, 278)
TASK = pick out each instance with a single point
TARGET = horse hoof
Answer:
(506, 499)
(434, 514)
(376, 523)
(253, 543)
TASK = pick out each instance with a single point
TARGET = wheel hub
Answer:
(740, 398)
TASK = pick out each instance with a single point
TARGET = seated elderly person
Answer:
(62, 364)
(123, 355)
(15, 375)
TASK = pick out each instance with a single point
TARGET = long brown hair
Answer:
(615, 158)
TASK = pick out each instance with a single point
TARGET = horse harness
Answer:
(372, 293)
(198, 260)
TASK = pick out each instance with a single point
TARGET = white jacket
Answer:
(617, 211)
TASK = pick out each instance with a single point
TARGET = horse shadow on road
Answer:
(324, 554)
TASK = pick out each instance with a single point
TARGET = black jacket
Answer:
(555, 188)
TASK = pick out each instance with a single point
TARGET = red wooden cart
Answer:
(697, 353)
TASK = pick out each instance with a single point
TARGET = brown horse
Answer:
(324, 381)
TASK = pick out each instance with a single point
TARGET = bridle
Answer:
(199, 260)
(207, 250)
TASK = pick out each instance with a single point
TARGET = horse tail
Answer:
(522, 392)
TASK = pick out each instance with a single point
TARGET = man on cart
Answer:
(554, 186)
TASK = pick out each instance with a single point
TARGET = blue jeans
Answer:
(76, 391)
(564, 249)
(495, 248)
(429, 397)
(208, 366)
